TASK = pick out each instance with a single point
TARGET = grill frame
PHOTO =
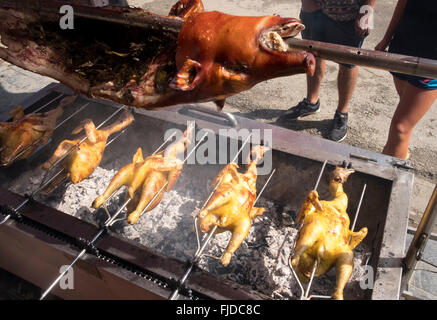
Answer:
(389, 264)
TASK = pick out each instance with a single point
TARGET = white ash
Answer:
(261, 262)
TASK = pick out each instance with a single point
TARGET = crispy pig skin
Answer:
(324, 237)
(214, 56)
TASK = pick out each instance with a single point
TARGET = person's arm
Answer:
(363, 27)
(394, 23)
(310, 5)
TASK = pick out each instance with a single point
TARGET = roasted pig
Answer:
(145, 177)
(83, 160)
(325, 237)
(214, 55)
(27, 131)
(231, 206)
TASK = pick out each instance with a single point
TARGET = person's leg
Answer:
(413, 105)
(346, 82)
(314, 82)
(399, 85)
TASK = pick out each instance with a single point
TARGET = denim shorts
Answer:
(320, 27)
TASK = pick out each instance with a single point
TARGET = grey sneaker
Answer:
(339, 130)
(303, 109)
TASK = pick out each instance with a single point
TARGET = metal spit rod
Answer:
(305, 294)
(48, 103)
(112, 220)
(201, 248)
(45, 182)
(199, 253)
(82, 140)
(367, 58)
(39, 139)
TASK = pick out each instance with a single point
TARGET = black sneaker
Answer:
(303, 109)
(339, 130)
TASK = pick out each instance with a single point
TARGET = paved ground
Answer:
(371, 109)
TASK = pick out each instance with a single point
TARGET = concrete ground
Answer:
(371, 109)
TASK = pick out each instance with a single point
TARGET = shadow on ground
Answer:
(320, 127)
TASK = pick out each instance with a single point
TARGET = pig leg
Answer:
(239, 233)
(183, 77)
(343, 268)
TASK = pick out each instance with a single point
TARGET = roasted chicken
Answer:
(82, 161)
(27, 131)
(231, 206)
(325, 237)
(145, 177)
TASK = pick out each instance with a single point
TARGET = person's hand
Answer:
(361, 25)
(381, 46)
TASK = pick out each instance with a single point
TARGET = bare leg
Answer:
(413, 105)
(346, 82)
(314, 82)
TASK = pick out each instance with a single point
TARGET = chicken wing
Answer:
(28, 131)
(231, 206)
(145, 177)
(325, 237)
(83, 160)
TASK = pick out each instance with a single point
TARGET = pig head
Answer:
(214, 56)
(219, 55)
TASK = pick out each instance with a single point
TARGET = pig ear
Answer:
(186, 8)
(182, 81)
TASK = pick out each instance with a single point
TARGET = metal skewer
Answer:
(40, 138)
(48, 103)
(201, 247)
(305, 293)
(367, 58)
(45, 183)
(112, 220)
(81, 141)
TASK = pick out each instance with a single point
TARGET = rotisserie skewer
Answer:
(25, 133)
(83, 160)
(144, 177)
(325, 239)
(112, 219)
